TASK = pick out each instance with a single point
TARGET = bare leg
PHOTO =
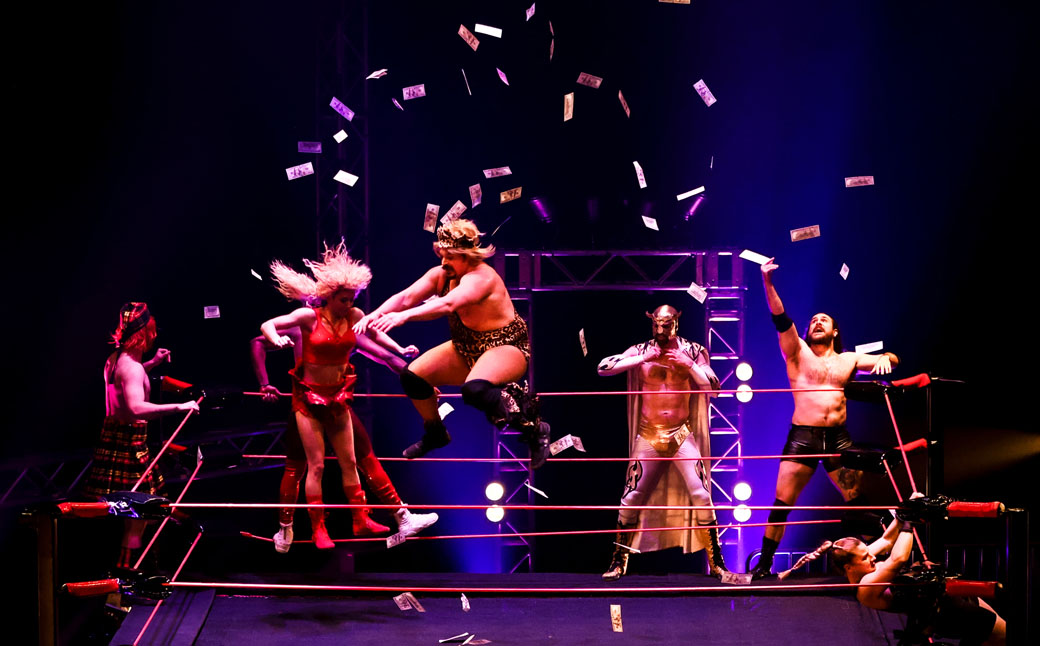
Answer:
(438, 366)
(313, 439)
(847, 481)
(499, 365)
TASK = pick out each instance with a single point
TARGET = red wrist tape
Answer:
(958, 588)
(83, 509)
(974, 509)
(92, 588)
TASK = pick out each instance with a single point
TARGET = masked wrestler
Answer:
(818, 422)
(323, 380)
(488, 351)
(121, 456)
(368, 465)
(666, 425)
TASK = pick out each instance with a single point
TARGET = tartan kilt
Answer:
(120, 459)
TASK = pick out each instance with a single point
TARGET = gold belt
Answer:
(664, 438)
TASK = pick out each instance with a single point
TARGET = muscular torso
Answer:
(116, 371)
(807, 370)
(664, 374)
(491, 312)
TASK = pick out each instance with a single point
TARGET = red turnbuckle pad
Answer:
(916, 444)
(84, 509)
(92, 588)
(920, 381)
(959, 588)
(975, 509)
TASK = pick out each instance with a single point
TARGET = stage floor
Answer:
(732, 615)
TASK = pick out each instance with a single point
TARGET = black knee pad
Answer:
(779, 515)
(415, 386)
(482, 395)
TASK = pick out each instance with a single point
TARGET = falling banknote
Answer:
(862, 180)
(294, 172)
(566, 442)
(497, 172)
(468, 36)
(568, 106)
(805, 233)
(615, 618)
(698, 293)
(640, 177)
(456, 210)
(414, 91)
(510, 195)
(705, 93)
(474, 195)
(430, 222)
(339, 107)
(589, 80)
(624, 104)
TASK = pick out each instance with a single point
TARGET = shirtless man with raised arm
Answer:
(818, 423)
(489, 348)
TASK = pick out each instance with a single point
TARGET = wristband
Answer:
(782, 321)
(906, 527)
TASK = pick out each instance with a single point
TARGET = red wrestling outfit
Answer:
(324, 347)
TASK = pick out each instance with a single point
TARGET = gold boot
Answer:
(619, 562)
(710, 537)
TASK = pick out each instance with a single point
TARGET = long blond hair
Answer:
(335, 271)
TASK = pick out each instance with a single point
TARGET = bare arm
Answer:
(618, 363)
(405, 299)
(162, 354)
(380, 354)
(790, 344)
(130, 377)
(472, 288)
(274, 329)
(879, 597)
(877, 364)
(688, 363)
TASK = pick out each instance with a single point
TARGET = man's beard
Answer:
(827, 341)
(662, 339)
(449, 271)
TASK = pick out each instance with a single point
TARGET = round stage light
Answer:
(742, 491)
(495, 513)
(744, 371)
(742, 513)
(494, 491)
(744, 393)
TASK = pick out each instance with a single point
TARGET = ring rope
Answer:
(560, 532)
(165, 446)
(499, 460)
(600, 393)
(155, 536)
(470, 590)
(173, 580)
(278, 505)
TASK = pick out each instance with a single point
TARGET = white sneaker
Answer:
(283, 539)
(410, 524)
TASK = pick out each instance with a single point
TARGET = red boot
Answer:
(318, 531)
(363, 525)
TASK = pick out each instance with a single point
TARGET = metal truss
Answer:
(719, 272)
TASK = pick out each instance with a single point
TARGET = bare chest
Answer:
(663, 373)
(833, 370)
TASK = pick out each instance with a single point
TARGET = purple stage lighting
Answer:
(539, 208)
(693, 207)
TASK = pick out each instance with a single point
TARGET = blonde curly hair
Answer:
(335, 271)
(461, 237)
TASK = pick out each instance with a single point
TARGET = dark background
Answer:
(147, 147)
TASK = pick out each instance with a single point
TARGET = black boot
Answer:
(765, 561)
(435, 437)
(619, 561)
(710, 538)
